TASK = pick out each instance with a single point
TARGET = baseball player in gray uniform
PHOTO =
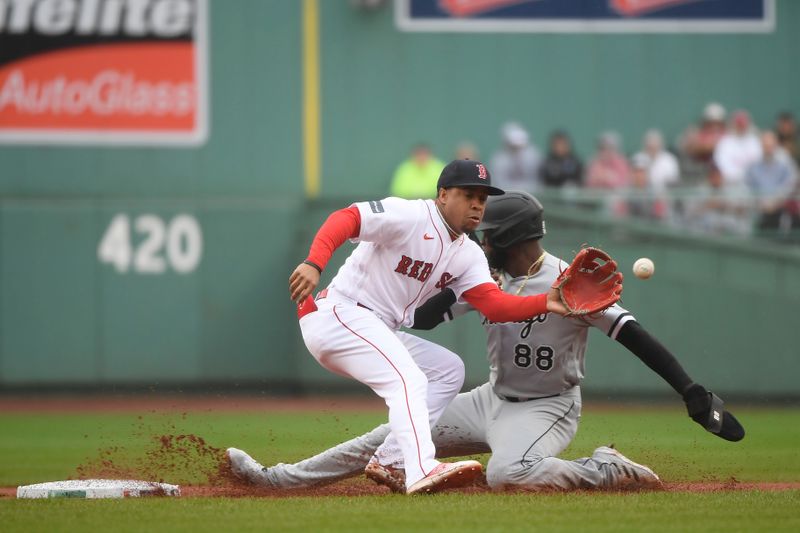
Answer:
(528, 412)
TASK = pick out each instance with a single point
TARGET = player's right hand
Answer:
(302, 282)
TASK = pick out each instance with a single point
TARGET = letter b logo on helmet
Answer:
(512, 218)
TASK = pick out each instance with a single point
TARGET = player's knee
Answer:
(416, 382)
(449, 368)
(454, 372)
(527, 472)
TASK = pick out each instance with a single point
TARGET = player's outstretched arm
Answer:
(704, 407)
(499, 306)
(433, 312)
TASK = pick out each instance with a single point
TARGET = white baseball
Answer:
(643, 268)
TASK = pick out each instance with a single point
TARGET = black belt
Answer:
(514, 399)
(324, 293)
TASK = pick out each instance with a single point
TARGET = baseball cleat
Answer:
(246, 468)
(629, 475)
(394, 478)
(447, 476)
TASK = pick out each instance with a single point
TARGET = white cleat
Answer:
(246, 468)
(447, 476)
(626, 474)
(394, 478)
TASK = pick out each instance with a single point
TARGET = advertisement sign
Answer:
(582, 16)
(130, 72)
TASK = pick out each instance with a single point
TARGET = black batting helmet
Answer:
(511, 218)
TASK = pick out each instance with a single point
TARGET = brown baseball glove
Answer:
(591, 284)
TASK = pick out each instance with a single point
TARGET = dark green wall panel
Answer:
(726, 309)
(48, 294)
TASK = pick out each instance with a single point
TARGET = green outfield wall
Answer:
(150, 265)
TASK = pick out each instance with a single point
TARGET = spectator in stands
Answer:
(786, 129)
(739, 148)
(561, 166)
(515, 166)
(609, 169)
(644, 199)
(772, 181)
(717, 208)
(466, 150)
(662, 170)
(698, 142)
(416, 177)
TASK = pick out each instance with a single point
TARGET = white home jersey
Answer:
(404, 256)
(528, 360)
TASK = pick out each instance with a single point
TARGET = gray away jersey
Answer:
(544, 355)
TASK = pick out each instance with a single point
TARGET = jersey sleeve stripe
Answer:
(618, 323)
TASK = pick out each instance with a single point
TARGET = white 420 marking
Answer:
(181, 239)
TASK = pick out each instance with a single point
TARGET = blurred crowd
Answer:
(722, 175)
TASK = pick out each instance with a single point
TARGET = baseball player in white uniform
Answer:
(528, 412)
(407, 251)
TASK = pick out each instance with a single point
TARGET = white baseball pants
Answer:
(416, 378)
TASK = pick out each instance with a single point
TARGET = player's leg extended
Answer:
(352, 341)
(525, 437)
(345, 460)
(460, 431)
(445, 373)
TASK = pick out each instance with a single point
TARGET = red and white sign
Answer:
(103, 72)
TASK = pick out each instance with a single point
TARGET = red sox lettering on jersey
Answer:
(404, 256)
(421, 271)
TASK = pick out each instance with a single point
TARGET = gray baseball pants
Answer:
(523, 438)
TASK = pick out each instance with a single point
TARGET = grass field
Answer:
(37, 447)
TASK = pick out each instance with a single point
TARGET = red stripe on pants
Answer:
(405, 390)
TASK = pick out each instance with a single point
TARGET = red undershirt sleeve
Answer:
(341, 225)
(499, 306)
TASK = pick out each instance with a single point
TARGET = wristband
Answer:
(312, 264)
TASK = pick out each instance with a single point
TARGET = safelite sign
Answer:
(103, 72)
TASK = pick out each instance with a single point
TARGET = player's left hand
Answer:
(708, 410)
(302, 282)
(554, 303)
(590, 285)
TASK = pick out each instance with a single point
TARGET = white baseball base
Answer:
(97, 488)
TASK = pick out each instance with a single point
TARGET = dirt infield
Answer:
(366, 488)
(170, 453)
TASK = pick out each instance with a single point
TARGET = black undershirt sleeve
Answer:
(432, 313)
(652, 353)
